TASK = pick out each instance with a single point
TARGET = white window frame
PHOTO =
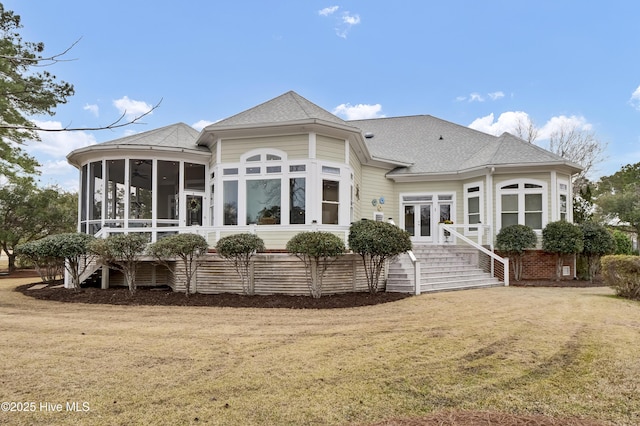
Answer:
(521, 191)
(564, 191)
(467, 196)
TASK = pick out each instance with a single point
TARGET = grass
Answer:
(552, 351)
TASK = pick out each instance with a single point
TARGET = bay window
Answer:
(522, 202)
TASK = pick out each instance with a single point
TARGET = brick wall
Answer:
(539, 265)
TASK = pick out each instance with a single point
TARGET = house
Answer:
(288, 165)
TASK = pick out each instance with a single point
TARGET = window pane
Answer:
(409, 220)
(116, 190)
(253, 170)
(425, 220)
(297, 200)
(83, 194)
(329, 213)
(532, 185)
(254, 158)
(95, 190)
(194, 176)
(331, 170)
(168, 189)
(510, 203)
(533, 220)
(274, 169)
(417, 198)
(474, 205)
(512, 186)
(474, 218)
(533, 202)
(273, 157)
(263, 201)
(230, 201)
(194, 210)
(298, 168)
(230, 172)
(330, 190)
(509, 219)
(140, 189)
(473, 189)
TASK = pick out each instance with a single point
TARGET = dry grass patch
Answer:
(562, 353)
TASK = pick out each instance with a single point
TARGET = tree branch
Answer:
(50, 60)
(114, 125)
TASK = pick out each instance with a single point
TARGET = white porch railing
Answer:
(481, 230)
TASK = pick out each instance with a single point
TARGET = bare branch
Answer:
(114, 125)
(50, 60)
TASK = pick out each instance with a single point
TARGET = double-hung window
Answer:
(522, 202)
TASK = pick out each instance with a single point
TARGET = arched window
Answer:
(522, 201)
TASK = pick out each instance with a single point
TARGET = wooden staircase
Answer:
(444, 267)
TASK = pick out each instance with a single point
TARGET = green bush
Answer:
(513, 240)
(562, 239)
(598, 242)
(624, 245)
(121, 252)
(186, 247)
(239, 249)
(377, 242)
(44, 257)
(622, 273)
(317, 250)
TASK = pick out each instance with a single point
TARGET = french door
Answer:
(418, 221)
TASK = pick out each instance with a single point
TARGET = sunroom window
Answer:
(474, 205)
(330, 201)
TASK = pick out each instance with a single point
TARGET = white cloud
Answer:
(328, 11)
(59, 173)
(201, 124)
(131, 108)
(350, 19)
(562, 121)
(358, 112)
(496, 95)
(507, 122)
(476, 97)
(93, 109)
(635, 99)
(59, 144)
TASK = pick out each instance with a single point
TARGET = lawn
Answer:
(558, 352)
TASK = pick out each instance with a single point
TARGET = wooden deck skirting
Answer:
(273, 273)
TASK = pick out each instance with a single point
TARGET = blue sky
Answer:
(485, 63)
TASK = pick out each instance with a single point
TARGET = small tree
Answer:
(513, 240)
(186, 247)
(377, 242)
(43, 256)
(238, 249)
(562, 239)
(121, 252)
(598, 242)
(317, 250)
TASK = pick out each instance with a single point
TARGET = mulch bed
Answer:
(164, 296)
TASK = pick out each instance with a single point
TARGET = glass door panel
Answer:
(194, 210)
(425, 220)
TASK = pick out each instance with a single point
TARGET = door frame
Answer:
(435, 200)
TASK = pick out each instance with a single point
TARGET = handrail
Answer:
(416, 271)
(503, 260)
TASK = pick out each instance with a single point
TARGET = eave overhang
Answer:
(93, 152)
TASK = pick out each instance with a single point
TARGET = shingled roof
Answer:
(285, 108)
(435, 146)
(179, 135)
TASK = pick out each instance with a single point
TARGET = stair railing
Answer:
(494, 257)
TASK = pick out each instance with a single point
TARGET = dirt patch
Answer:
(476, 418)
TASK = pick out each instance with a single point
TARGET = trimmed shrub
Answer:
(186, 247)
(377, 242)
(598, 242)
(238, 249)
(121, 252)
(317, 250)
(513, 240)
(562, 239)
(622, 273)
